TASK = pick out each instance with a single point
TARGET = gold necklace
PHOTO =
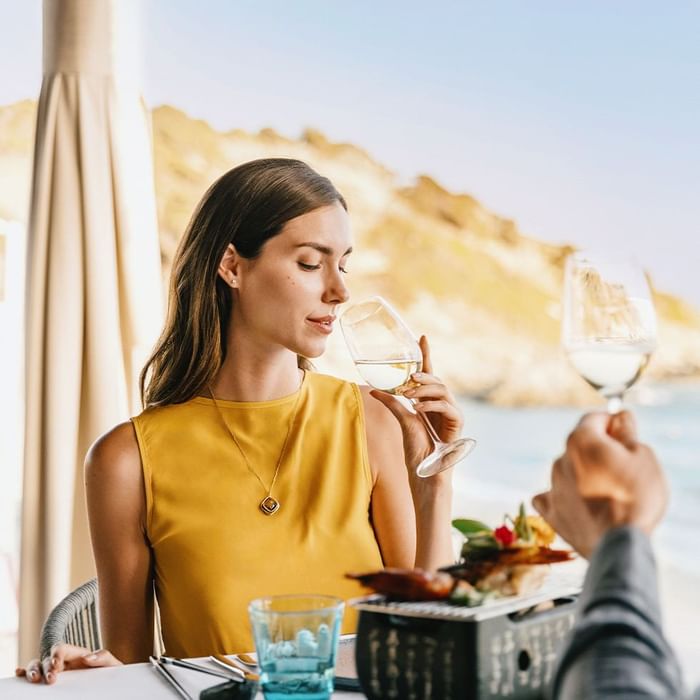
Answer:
(269, 504)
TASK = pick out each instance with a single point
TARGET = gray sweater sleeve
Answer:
(617, 648)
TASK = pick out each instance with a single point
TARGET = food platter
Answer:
(556, 587)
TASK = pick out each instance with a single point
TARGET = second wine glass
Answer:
(608, 324)
(386, 354)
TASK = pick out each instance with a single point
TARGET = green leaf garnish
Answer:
(467, 596)
(479, 546)
(470, 527)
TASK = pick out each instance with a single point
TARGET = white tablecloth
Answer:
(133, 682)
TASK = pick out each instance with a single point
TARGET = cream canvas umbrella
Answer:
(94, 301)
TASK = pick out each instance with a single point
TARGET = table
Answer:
(133, 681)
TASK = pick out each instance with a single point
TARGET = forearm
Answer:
(127, 624)
(433, 506)
(618, 648)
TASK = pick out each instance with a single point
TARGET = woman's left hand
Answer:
(435, 401)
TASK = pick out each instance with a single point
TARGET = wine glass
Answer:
(386, 354)
(608, 324)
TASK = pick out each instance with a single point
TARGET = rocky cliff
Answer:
(486, 295)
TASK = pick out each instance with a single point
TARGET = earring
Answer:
(232, 282)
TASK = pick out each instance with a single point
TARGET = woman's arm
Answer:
(117, 512)
(411, 515)
(391, 507)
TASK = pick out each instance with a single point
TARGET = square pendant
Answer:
(269, 505)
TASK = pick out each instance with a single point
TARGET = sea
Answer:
(516, 448)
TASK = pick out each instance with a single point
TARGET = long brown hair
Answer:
(246, 207)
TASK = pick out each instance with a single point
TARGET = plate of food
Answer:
(497, 564)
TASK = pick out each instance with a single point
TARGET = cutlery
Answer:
(163, 671)
(229, 666)
(195, 667)
(222, 660)
(247, 660)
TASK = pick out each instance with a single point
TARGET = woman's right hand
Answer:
(65, 657)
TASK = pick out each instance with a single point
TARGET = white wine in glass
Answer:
(608, 323)
(391, 376)
(386, 354)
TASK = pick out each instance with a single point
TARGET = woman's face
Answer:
(289, 294)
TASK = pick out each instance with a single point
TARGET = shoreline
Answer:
(649, 392)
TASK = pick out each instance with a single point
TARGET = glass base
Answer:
(444, 456)
(614, 404)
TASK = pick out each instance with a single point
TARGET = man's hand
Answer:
(604, 479)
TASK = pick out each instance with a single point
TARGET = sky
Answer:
(580, 121)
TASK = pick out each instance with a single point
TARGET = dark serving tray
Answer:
(505, 648)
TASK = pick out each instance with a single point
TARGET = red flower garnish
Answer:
(504, 535)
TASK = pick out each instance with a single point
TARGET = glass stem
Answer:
(614, 404)
(426, 422)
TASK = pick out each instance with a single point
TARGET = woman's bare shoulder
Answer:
(114, 484)
(115, 454)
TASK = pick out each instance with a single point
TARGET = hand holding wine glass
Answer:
(608, 324)
(390, 359)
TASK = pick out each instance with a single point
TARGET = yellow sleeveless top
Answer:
(214, 550)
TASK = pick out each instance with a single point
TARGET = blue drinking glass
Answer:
(296, 639)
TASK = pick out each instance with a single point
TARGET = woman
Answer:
(248, 474)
